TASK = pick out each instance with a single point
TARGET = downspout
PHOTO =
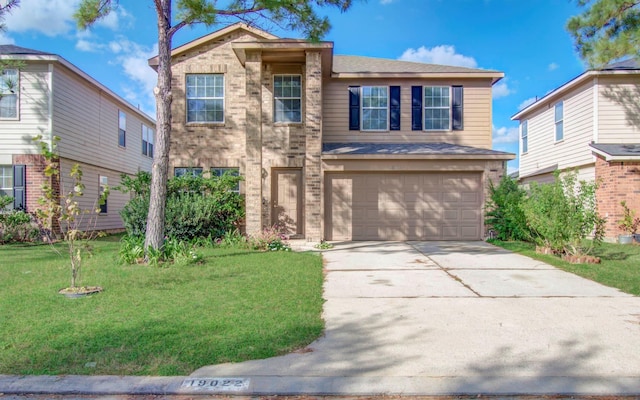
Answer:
(596, 90)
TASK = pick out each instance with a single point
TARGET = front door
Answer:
(286, 198)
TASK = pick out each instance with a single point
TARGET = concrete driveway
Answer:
(435, 318)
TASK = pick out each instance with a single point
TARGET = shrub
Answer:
(172, 251)
(563, 213)
(196, 207)
(629, 222)
(504, 211)
(18, 226)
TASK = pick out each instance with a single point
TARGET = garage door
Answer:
(403, 206)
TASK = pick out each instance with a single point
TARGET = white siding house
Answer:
(590, 124)
(45, 95)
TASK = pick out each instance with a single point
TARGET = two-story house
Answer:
(44, 94)
(590, 124)
(336, 147)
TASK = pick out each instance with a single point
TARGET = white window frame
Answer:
(147, 141)
(524, 137)
(203, 97)
(6, 177)
(363, 107)
(6, 89)
(219, 171)
(122, 128)
(291, 97)
(559, 123)
(449, 108)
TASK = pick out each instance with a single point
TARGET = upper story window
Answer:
(287, 98)
(205, 98)
(122, 129)
(9, 94)
(559, 120)
(6, 182)
(187, 171)
(437, 108)
(524, 133)
(231, 171)
(147, 141)
(375, 108)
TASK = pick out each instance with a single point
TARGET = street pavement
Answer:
(429, 318)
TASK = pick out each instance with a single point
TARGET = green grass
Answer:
(238, 305)
(619, 267)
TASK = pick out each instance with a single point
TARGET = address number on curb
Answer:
(217, 384)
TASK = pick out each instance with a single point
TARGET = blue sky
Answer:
(526, 40)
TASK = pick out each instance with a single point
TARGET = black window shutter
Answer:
(354, 108)
(456, 109)
(19, 187)
(394, 109)
(416, 108)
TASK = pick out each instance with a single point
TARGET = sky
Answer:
(527, 40)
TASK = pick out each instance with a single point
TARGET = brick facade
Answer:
(35, 178)
(618, 181)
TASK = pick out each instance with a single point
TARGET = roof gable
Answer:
(216, 36)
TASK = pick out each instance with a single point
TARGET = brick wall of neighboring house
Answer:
(618, 181)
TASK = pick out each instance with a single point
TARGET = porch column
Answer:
(313, 134)
(253, 169)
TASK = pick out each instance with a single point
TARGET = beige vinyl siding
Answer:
(86, 119)
(476, 117)
(33, 113)
(573, 150)
(90, 178)
(618, 120)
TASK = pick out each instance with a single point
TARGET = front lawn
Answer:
(237, 305)
(620, 266)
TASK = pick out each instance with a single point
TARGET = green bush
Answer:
(504, 211)
(18, 226)
(196, 207)
(563, 213)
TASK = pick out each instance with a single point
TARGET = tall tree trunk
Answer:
(160, 170)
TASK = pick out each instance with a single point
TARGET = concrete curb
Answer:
(329, 385)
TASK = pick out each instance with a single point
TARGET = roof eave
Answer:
(495, 76)
(283, 45)
(506, 156)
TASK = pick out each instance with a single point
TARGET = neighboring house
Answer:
(590, 124)
(336, 147)
(48, 96)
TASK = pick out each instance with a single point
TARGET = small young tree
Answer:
(63, 212)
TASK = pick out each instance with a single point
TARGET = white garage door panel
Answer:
(403, 206)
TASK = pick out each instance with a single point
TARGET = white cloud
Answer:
(501, 89)
(444, 55)
(527, 103)
(55, 17)
(134, 61)
(553, 66)
(385, 2)
(505, 134)
(90, 47)
(49, 17)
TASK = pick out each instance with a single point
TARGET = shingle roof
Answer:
(12, 49)
(407, 149)
(631, 63)
(618, 150)
(359, 64)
